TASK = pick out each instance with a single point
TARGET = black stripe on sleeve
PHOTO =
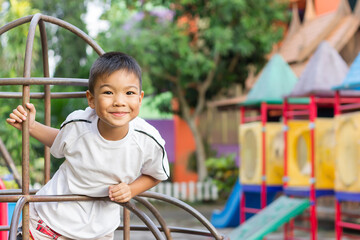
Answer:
(74, 120)
(162, 148)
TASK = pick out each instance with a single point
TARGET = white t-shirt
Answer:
(91, 165)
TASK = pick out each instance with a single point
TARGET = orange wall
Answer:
(184, 146)
(324, 6)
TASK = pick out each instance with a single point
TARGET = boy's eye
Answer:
(130, 93)
(107, 92)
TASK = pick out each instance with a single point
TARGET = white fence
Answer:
(188, 191)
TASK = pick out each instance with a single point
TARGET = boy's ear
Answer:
(90, 99)
(141, 96)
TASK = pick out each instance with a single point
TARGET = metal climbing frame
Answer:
(342, 105)
(24, 196)
(309, 111)
(263, 117)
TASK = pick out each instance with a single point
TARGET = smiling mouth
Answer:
(119, 114)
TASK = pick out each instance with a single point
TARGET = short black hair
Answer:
(110, 62)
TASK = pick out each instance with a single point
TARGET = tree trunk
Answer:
(200, 149)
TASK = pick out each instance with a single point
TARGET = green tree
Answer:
(194, 48)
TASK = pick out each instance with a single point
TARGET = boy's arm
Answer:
(41, 132)
(123, 192)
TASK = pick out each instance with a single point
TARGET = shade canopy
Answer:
(325, 69)
(276, 81)
(352, 79)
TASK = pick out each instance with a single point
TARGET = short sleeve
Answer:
(156, 164)
(57, 148)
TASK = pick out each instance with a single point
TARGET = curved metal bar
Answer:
(16, 217)
(148, 222)
(44, 81)
(58, 22)
(47, 97)
(41, 198)
(186, 207)
(156, 214)
(172, 229)
(40, 95)
(15, 23)
(76, 31)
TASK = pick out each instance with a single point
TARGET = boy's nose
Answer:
(119, 100)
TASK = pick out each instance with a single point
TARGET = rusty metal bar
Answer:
(58, 22)
(126, 223)
(44, 81)
(156, 214)
(76, 31)
(25, 125)
(40, 95)
(15, 23)
(47, 97)
(23, 200)
(14, 191)
(187, 208)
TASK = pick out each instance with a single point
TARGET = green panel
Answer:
(270, 218)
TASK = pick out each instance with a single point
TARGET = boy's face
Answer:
(116, 100)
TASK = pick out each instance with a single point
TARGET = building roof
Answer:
(313, 30)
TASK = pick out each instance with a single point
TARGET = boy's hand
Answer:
(19, 115)
(120, 193)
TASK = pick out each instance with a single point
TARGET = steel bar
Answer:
(14, 191)
(40, 95)
(47, 97)
(41, 198)
(44, 81)
(185, 207)
(25, 126)
(15, 23)
(58, 22)
(126, 223)
(156, 214)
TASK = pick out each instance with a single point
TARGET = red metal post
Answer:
(313, 217)
(242, 209)
(242, 195)
(338, 228)
(3, 214)
(263, 193)
(285, 176)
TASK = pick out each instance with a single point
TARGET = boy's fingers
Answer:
(16, 117)
(21, 110)
(30, 106)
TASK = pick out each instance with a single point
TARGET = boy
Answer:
(108, 152)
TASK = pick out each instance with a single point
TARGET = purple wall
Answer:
(226, 149)
(167, 130)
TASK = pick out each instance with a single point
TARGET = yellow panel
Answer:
(299, 161)
(251, 153)
(347, 154)
(325, 153)
(274, 154)
(298, 143)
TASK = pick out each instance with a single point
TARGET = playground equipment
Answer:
(325, 69)
(24, 196)
(270, 219)
(261, 135)
(299, 143)
(347, 116)
(229, 216)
